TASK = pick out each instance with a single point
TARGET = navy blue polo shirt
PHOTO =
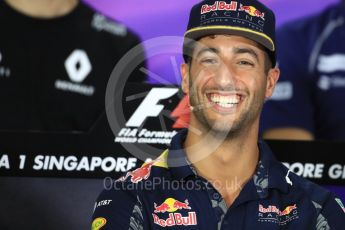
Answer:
(157, 196)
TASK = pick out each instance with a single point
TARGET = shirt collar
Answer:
(269, 173)
(177, 159)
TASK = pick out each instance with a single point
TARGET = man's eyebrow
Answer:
(248, 51)
(207, 49)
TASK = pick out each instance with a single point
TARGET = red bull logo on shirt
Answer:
(172, 205)
(273, 208)
(274, 215)
(219, 5)
(252, 11)
(139, 174)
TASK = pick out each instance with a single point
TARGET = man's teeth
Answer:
(225, 101)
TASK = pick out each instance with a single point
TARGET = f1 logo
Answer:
(150, 107)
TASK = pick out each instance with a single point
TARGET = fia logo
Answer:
(150, 107)
(4, 71)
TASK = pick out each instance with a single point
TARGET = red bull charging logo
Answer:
(273, 208)
(252, 11)
(172, 205)
(139, 174)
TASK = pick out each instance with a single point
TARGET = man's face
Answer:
(227, 83)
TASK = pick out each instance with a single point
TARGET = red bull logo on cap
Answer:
(172, 205)
(219, 5)
(252, 11)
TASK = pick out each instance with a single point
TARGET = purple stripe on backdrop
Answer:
(134, 14)
(155, 18)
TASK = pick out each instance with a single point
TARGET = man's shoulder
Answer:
(298, 188)
(130, 189)
(309, 191)
(328, 209)
(146, 177)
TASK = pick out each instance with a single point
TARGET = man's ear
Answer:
(185, 77)
(272, 78)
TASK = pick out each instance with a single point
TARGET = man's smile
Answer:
(224, 101)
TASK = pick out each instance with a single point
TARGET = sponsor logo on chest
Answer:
(78, 67)
(272, 214)
(102, 203)
(98, 223)
(175, 218)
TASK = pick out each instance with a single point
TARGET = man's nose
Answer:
(225, 76)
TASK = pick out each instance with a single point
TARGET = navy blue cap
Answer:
(247, 18)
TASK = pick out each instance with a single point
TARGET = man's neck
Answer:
(44, 9)
(229, 163)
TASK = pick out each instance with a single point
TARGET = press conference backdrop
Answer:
(50, 180)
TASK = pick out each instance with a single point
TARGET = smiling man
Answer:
(217, 174)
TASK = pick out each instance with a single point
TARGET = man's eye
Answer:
(245, 63)
(209, 61)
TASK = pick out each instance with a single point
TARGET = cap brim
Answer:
(203, 31)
